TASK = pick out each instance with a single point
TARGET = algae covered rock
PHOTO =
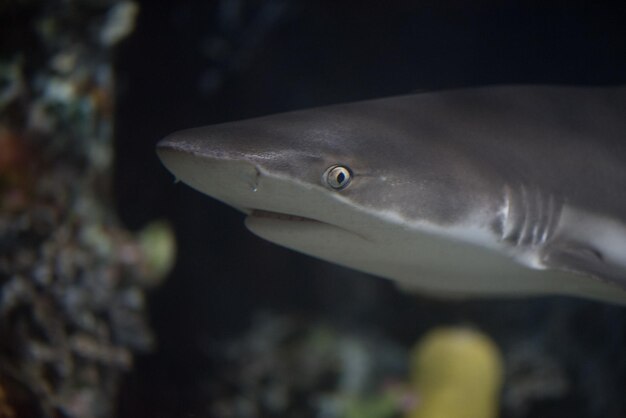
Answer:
(72, 308)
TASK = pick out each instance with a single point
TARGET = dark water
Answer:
(193, 63)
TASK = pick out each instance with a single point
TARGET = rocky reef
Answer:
(72, 280)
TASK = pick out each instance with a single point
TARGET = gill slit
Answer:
(528, 216)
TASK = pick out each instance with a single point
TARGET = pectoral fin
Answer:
(585, 260)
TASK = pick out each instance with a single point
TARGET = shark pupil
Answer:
(337, 176)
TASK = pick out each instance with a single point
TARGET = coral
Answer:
(457, 373)
(286, 366)
(72, 308)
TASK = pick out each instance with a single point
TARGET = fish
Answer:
(476, 192)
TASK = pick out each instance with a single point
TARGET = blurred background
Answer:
(191, 62)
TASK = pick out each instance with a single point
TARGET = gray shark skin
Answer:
(479, 192)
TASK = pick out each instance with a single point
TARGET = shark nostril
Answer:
(254, 180)
(255, 184)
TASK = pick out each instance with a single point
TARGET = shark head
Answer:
(371, 185)
(326, 164)
(330, 182)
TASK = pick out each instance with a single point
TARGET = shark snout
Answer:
(233, 182)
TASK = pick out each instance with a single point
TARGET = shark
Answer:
(493, 191)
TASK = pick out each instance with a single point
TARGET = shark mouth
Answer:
(259, 213)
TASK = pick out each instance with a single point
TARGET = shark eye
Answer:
(337, 176)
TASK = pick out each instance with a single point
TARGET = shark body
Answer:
(489, 191)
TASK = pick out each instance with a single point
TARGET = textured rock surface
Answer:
(71, 278)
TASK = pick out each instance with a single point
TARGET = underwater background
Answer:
(241, 327)
(197, 63)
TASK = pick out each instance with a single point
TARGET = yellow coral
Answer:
(457, 373)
